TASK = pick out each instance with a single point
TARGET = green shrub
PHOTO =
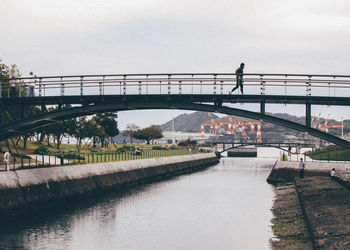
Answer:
(71, 156)
(41, 150)
(173, 147)
(158, 147)
(125, 148)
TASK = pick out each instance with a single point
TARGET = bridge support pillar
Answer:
(262, 107)
(308, 115)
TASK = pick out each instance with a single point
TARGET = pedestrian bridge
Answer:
(91, 94)
(282, 145)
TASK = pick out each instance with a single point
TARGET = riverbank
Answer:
(30, 190)
(288, 223)
(318, 204)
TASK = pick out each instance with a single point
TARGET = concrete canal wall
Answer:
(24, 191)
(288, 170)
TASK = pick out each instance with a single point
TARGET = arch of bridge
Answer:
(51, 117)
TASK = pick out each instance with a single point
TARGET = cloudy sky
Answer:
(52, 37)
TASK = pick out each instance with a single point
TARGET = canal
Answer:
(226, 206)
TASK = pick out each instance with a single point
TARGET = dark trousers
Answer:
(301, 173)
(239, 83)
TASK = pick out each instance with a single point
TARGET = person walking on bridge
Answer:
(239, 79)
(31, 85)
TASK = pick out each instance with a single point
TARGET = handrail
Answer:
(184, 74)
(176, 83)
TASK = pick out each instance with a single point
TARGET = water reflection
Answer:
(224, 207)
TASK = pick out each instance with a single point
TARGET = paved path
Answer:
(36, 159)
(47, 159)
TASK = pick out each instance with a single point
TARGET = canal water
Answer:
(226, 206)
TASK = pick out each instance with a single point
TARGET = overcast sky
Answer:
(52, 37)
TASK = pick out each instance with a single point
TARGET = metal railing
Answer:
(177, 83)
(50, 160)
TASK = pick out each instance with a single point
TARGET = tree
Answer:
(131, 130)
(13, 113)
(150, 133)
(109, 123)
(81, 130)
(59, 129)
(94, 129)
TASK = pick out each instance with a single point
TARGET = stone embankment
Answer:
(25, 191)
(324, 204)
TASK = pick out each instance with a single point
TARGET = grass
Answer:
(331, 155)
(125, 156)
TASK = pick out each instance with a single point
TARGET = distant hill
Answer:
(188, 122)
(191, 123)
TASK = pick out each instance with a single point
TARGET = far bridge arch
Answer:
(253, 144)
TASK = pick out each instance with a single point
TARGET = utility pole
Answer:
(173, 128)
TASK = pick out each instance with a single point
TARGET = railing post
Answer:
(308, 87)
(192, 86)
(262, 85)
(180, 87)
(147, 84)
(140, 92)
(62, 87)
(221, 87)
(103, 85)
(285, 86)
(169, 86)
(214, 90)
(81, 86)
(124, 85)
(39, 86)
(100, 87)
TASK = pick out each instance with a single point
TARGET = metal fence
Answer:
(177, 83)
(37, 161)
